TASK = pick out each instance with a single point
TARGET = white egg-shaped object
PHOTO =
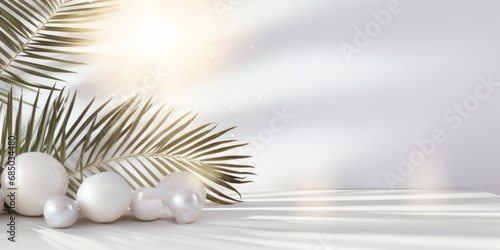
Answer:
(184, 194)
(146, 204)
(104, 197)
(38, 177)
(60, 212)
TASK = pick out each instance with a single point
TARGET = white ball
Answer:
(104, 197)
(60, 212)
(184, 194)
(146, 204)
(39, 177)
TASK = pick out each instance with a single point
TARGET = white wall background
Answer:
(353, 120)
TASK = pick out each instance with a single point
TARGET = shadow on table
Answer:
(308, 220)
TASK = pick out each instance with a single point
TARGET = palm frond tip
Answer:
(36, 33)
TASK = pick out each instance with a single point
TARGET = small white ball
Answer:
(39, 177)
(184, 194)
(146, 204)
(104, 197)
(60, 212)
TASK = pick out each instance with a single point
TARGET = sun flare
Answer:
(154, 38)
(181, 38)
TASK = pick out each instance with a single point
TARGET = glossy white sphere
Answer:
(146, 204)
(60, 212)
(104, 197)
(184, 194)
(39, 177)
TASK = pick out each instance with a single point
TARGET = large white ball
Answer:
(104, 197)
(39, 177)
(60, 212)
(184, 194)
(146, 204)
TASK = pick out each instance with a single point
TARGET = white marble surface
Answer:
(316, 219)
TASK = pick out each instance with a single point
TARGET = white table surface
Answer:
(316, 219)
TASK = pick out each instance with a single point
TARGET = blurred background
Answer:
(330, 94)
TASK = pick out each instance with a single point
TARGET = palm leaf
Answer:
(134, 139)
(35, 33)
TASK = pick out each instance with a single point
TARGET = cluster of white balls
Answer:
(42, 182)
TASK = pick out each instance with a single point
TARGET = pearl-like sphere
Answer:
(104, 197)
(39, 177)
(60, 212)
(146, 204)
(184, 194)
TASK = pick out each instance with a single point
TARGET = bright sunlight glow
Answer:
(153, 38)
(167, 36)
(142, 32)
